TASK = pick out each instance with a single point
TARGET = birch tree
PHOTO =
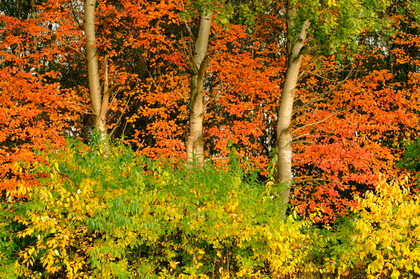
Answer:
(246, 12)
(99, 102)
(195, 146)
(334, 24)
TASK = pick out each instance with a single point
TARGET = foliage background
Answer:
(66, 211)
(125, 216)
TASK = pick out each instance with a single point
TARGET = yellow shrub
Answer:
(386, 236)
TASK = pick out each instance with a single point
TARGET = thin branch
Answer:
(320, 94)
(317, 75)
(189, 30)
(317, 180)
(303, 141)
(75, 49)
(107, 92)
(217, 158)
(119, 118)
(106, 81)
(302, 107)
(149, 73)
(315, 123)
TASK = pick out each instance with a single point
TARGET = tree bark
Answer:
(284, 137)
(99, 104)
(194, 144)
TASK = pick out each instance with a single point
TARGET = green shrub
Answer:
(124, 217)
(411, 158)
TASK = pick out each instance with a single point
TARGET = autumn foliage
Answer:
(124, 216)
(354, 128)
(353, 114)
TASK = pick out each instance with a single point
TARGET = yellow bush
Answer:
(385, 237)
(122, 217)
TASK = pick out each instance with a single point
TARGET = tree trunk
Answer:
(284, 137)
(99, 104)
(194, 145)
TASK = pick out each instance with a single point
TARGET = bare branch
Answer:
(316, 180)
(315, 123)
(119, 118)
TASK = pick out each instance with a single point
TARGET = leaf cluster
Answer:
(124, 216)
(382, 239)
(411, 159)
(337, 24)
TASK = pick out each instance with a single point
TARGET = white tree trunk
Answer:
(284, 137)
(195, 145)
(99, 104)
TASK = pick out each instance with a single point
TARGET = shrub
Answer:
(123, 216)
(382, 238)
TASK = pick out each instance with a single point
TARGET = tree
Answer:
(343, 129)
(224, 12)
(338, 21)
(243, 78)
(35, 112)
(194, 144)
(144, 41)
(99, 101)
(284, 136)
(355, 132)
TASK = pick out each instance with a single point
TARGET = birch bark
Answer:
(195, 145)
(284, 137)
(99, 103)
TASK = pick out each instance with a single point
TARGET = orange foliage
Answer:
(350, 122)
(355, 132)
(242, 95)
(146, 55)
(34, 112)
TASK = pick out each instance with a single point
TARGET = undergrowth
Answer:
(123, 216)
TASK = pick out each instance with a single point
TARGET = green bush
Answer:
(122, 216)
(411, 158)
